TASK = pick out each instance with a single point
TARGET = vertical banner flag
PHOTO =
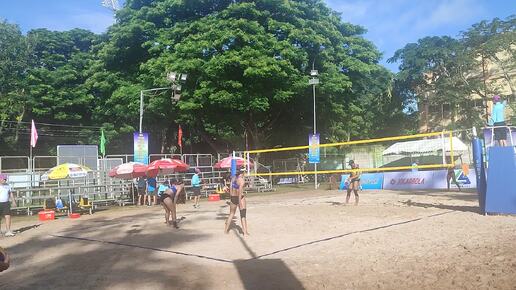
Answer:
(180, 137)
(314, 149)
(33, 135)
(102, 143)
(141, 147)
(480, 172)
(233, 167)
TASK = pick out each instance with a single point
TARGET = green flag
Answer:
(102, 143)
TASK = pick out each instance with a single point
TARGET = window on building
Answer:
(446, 111)
(478, 103)
(432, 109)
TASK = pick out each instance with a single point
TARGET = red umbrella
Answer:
(128, 170)
(166, 166)
(226, 162)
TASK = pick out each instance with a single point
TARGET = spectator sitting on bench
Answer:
(49, 204)
(59, 204)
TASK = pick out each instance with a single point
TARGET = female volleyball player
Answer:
(353, 182)
(168, 198)
(4, 260)
(237, 199)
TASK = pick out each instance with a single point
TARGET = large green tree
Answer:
(56, 80)
(14, 64)
(493, 43)
(455, 72)
(43, 78)
(248, 65)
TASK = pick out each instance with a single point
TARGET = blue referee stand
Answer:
(497, 192)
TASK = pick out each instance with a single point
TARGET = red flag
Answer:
(33, 135)
(180, 137)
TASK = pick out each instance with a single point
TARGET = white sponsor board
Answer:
(433, 179)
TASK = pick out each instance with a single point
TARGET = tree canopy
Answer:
(248, 65)
(445, 70)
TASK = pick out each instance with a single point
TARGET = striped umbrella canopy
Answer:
(166, 166)
(226, 162)
(128, 170)
(65, 170)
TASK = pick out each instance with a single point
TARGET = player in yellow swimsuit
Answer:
(353, 182)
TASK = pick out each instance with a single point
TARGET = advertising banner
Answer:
(367, 181)
(313, 150)
(433, 179)
(141, 147)
(465, 179)
(409, 180)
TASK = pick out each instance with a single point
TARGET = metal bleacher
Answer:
(97, 189)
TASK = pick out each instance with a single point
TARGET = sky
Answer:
(391, 24)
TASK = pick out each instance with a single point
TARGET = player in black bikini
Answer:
(168, 198)
(236, 194)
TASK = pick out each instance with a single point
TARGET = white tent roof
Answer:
(424, 147)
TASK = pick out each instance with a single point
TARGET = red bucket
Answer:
(214, 197)
(46, 215)
(74, 215)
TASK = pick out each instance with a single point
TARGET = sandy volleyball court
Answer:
(303, 239)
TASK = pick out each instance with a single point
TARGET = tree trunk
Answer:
(18, 124)
(506, 76)
(163, 141)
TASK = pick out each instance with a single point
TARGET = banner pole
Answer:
(31, 171)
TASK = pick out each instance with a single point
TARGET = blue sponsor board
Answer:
(367, 181)
(141, 147)
(314, 149)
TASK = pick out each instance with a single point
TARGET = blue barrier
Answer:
(478, 159)
(501, 187)
(233, 167)
(367, 181)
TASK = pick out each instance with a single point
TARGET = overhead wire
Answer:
(50, 124)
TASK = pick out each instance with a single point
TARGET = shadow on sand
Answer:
(117, 253)
(463, 208)
(266, 274)
(465, 195)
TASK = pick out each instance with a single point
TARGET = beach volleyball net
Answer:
(399, 153)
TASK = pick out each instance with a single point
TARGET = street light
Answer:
(176, 87)
(314, 81)
(176, 91)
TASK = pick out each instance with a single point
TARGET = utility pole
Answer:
(314, 81)
(173, 77)
(485, 87)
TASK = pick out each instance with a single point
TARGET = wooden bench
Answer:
(29, 208)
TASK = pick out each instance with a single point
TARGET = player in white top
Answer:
(5, 204)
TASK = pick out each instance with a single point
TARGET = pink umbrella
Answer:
(226, 162)
(128, 170)
(166, 166)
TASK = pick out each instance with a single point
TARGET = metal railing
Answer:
(125, 157)
(31, 192)
(8, 163)
(491, 132)
(154, 157)
(94, 187)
